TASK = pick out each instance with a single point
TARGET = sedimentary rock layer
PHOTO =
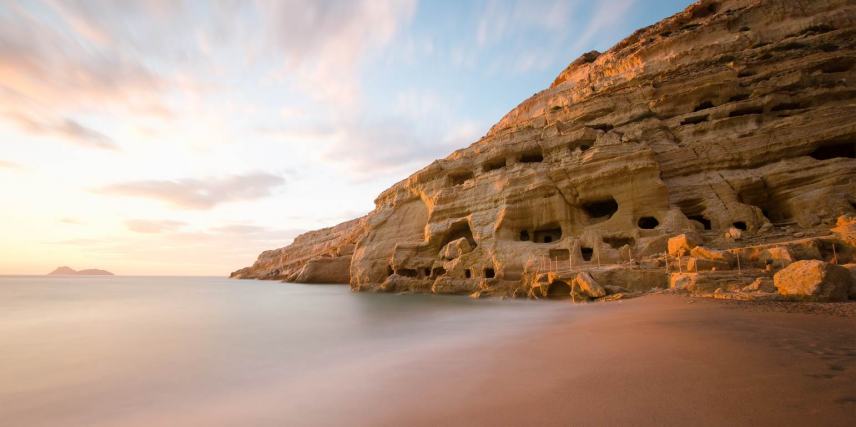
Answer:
(731, 115)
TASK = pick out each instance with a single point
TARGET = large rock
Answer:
(456, 248)
(728, 115)
(682, 244)
(814, 280)
(588, 286)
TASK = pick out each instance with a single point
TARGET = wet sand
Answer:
(657, 360)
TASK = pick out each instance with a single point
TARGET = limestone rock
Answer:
(815, 280)
(682, 244)
(588, 286)
(730, 115)
(456, 248)
(702, 264)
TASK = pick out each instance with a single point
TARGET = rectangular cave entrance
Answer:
(548, 234)
(586, 253)
(489, 273)
(459, 178)
(494, 164)
(531, 157)
(841, 148)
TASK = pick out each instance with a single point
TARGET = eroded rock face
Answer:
(731, 115)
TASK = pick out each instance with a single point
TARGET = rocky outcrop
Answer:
(732, 123)
(68, 271)
(320, 256)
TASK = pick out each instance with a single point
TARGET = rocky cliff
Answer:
(732, 123)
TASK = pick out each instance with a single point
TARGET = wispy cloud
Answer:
(67, 129)
(191, 193)
(149, 226)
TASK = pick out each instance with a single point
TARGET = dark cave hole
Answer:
(703, 106)
(740, 225)
(458, 230)
(489, 273)
(494, 164)
(694, 120)
(647, 222)
(533, 157)
(700, 218)
(468, 273)
(787, 106)
(604, 127)
(548, 234)
(438, 271)
(738, 97)
(835, 149)
(460, 178)
(558, 290)
(586, 253)
(746, 111)
(524, 236)
(427, 271)
(601, 209)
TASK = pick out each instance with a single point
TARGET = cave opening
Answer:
(389, 270)
(406, 272)
(694, 210)
(531, 157)
(494, 164)
(617, 242)
(694, 120)
(427, 271)
(740, 225)
(548, 234)
(460, 178)
(601, 209)
(835, 149)
(703, 106)
(489, 273)
(746, 111)
(438, 271)
(762, 197)
(524, 235)
(586, 253)
(458, 230)
(701, 219)
(647, 222)
(606, 127)
(468, 273)
(558, 290)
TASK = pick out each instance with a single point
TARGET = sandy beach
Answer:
(656, 360)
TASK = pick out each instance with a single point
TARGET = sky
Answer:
(166, 137)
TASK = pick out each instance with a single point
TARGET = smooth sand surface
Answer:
(657, 360)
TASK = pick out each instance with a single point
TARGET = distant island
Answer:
(68, 271)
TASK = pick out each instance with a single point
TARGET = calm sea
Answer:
(211, 351)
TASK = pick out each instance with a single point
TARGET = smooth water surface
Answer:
(213, 351)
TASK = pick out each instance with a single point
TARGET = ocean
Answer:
(92, 351)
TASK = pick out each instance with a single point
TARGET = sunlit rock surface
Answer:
(732, 123)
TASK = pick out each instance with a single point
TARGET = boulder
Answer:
(588, 286)
(813, 280)
(682, 244)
